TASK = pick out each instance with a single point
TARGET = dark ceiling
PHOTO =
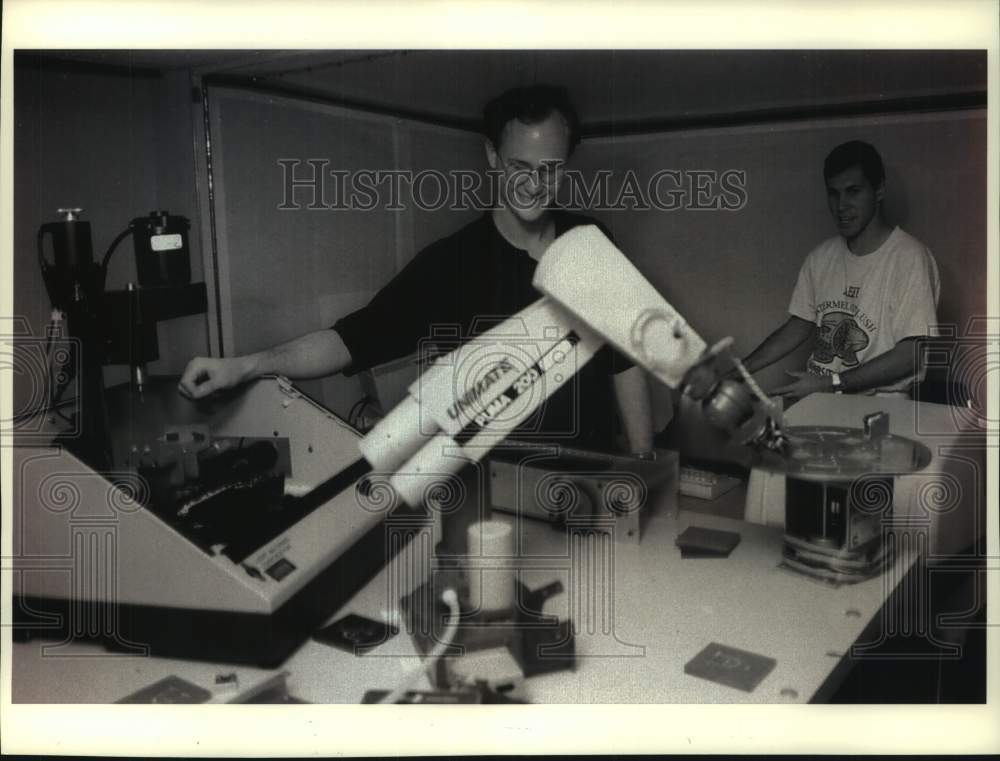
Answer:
(608, 85)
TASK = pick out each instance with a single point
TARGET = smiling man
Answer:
(863, 297)
(472, 279)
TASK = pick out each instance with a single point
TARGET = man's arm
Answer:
(632, 394)
(782, 342)
(313, 355)
(899, 362)
(703, 377)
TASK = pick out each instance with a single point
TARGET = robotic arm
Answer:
(593, 280)
(474, 397)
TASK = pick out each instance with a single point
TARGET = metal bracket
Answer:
(876, 425)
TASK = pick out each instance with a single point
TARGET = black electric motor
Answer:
(161, 250)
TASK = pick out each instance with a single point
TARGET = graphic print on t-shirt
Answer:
(863, 307)
(839, 336)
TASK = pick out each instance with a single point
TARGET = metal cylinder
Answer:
(161, 250)
(729, 406)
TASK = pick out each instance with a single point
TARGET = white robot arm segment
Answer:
(473, 398)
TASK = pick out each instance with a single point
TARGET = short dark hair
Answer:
(530, 105)
(855, 153)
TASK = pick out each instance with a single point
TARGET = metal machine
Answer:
(866, 476)
(839, 495)
(224, 531)
(240, 567)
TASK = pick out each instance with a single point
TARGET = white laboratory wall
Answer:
(732, 272)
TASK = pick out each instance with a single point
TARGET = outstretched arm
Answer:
(704, 376)
(313, 355)
(782, 342)
(900, 361)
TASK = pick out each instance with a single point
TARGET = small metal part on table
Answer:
(227, 681)
(171, 689)
(730, 666)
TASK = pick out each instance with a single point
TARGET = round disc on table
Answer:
(832, 453)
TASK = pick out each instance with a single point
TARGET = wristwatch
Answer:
(838, 384)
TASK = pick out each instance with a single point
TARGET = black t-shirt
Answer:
(464, 285)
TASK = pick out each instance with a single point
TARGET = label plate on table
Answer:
(729, 666)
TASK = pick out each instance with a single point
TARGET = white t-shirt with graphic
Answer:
(865, 305)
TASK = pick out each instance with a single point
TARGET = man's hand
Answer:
(313, 355)
(204, 376)
(803, 385)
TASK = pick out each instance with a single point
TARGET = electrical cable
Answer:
(356, 409)
(450, 598)
(55, 390)
(44, 265)
(53, 394)
(58, 412)
(111, 249)
(26, 414)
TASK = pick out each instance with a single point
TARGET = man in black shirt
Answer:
(472, 280)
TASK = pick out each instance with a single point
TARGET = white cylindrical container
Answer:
(490, 571)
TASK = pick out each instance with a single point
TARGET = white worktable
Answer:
(665, 610)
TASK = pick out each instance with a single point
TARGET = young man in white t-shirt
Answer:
(863, 297)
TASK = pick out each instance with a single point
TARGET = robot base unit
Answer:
(927, 481)
(244, 582)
